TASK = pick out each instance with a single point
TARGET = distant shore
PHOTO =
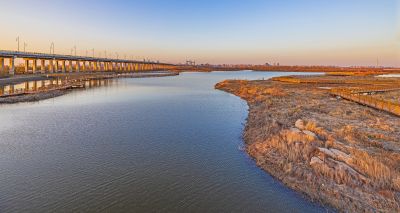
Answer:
(335, 151)
(80, 78)
(332, 70)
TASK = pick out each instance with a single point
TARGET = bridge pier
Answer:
(70, 68)
(106, 66)
(102, 65)
(113, 66)
(2, 70)
(95, 68)
(58, 66)
(42, 66)
(26, 65)
(34, 66)
(63, 66)
(55, 66)
(12, 66)
(100, 68)
(51, 65)
(90, 66)
(83, 66)
(78, 66)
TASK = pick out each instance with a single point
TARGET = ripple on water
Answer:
(167, 144)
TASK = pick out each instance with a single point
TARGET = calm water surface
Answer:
(137, 145)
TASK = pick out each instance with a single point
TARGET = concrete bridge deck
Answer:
(51, 63)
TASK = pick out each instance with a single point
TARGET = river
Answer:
(169, 144)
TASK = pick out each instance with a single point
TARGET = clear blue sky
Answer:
(329, 32)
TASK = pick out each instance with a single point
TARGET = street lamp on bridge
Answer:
(52, 48)
(17, 40)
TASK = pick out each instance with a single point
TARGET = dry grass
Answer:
(335, 151)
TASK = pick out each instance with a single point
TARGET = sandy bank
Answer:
(33, 97)
(335, 151)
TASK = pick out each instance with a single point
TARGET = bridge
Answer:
(41, 63)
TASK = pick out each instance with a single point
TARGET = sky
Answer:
(290, 32)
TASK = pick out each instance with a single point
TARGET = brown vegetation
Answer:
(332, 70)
(335, 151)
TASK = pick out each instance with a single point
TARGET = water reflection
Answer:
(51, 84)
(137, 145)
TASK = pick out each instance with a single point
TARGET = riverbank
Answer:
(69, 82)
(337, 152)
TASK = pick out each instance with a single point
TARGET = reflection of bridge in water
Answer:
(31, 87)
(40, 63)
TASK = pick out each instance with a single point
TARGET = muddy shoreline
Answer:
(43, 95)
(336, 152)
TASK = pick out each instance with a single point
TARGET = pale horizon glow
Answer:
(291, 32)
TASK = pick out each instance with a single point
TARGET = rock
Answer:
(316, 161)
(300, 124)
(327, 152)
(346, 170)
(336, 154)
(295, 130)
(342, 172)
(310, 135)
(339, 155)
